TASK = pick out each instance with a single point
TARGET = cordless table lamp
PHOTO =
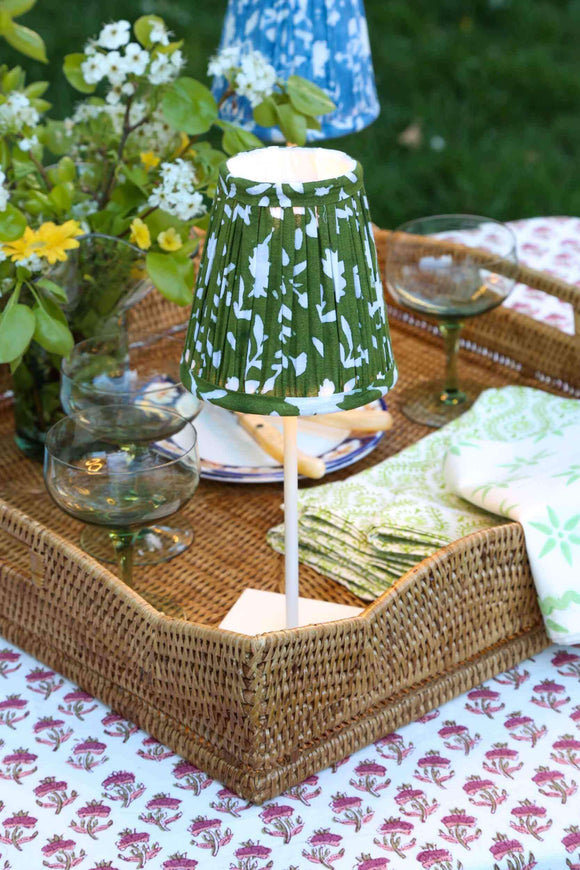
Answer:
(288, 315)
(326, 43)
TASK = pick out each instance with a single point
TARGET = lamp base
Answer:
(256, 612)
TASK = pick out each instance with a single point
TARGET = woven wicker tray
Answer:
(262, 713)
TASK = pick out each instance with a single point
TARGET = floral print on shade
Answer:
(288, 315)
(490, 780)
(324, 41)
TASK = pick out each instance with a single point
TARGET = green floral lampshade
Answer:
(288, 316)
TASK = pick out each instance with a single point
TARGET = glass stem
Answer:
(451, 393)
(123, 542)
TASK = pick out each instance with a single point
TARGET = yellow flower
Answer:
(53, 241)
(170, 240)
(140, 234)
(138, 271)
(149, 160)
(23, 247)
(183, 143)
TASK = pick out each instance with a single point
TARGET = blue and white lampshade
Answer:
(324, 41)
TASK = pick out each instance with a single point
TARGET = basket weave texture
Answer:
(262, 713)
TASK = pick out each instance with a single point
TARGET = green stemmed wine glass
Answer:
(449, 268)
(145, 371)
(102, 468)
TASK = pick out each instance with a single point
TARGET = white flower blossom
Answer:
(83, 209)
(116, 68)
(28, 142)
(32, 263)
(136, 59)
(113, 98)
(162, 70)
(3, 256)
(159, 33)
(256, 78)
(177, 59)
(114, 35)
(225, 62)
(176, 193)
(4, 192)
(94, 68)
(16, 112)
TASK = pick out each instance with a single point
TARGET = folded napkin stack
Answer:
(366, 531)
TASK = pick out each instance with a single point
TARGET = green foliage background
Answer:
(497, 80)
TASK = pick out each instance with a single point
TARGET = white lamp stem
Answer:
(291, 520)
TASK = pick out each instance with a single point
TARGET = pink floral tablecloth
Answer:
(552, 245)
(489, 780)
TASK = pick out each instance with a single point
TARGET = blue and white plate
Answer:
(229, 454)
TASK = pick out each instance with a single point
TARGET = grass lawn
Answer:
(494, 86)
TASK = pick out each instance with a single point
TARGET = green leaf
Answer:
(26, 41)
(55, 290)
(16, 8)
(553, 516)
(13, 80)
(265, 114)
(38, 203)
(189, 106)
(169, 49)
(308, 98)
(16, 330)
(159, 221)
(313, 123)
(173, 275)
(36, 90)
(138, 176)
(61, 196)
(12, 224)
(41, 106)
(235, 139)
(292, 124)
(6, 22)
(56, 137)
(142, 28)
(66, 169)
(4, 153)
(51, 329)
(72, 70)
(128, 198)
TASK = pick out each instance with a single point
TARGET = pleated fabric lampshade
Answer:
(288, 314)
(324, 41)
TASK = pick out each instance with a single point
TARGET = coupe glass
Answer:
(450, 268)
(100, 469)
(112, 370)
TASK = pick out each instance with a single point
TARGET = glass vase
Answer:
(102, 279)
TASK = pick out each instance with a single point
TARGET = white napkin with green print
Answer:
(537, 482)
(366, 531)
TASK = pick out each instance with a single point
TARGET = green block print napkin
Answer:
(368, 530)
(534, 480)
